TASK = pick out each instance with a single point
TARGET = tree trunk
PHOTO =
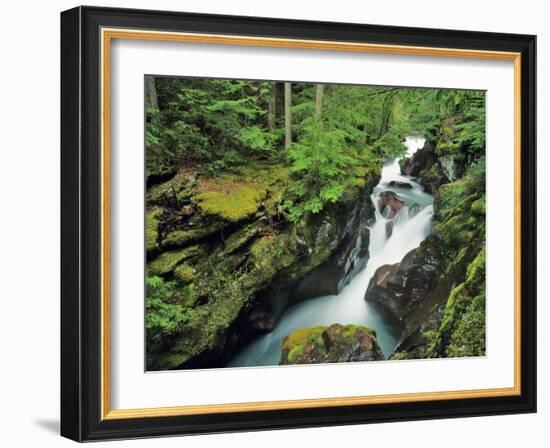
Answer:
(319, 96)
(151, 99)
(288, 115)
(386, 115)
(279, 103)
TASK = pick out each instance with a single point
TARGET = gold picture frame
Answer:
(110, 30)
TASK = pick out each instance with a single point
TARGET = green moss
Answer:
(295, 342)
(167, 261)
(268, 256)
(468, 337)
(478, 206)
(179, 238)
(451, 309)
(179, 187)
(323, 341)
(475, 275)
(448, 131)
(350, 330)
(273, 201)
(184, 273)
(294, 353)
(462, 328)
(188, 295)
(455, 232)
(234, 206)
(240, 238)
(447, 147)
(361, 171)
(301, 337)
(151, 228)
(399, 356)
(448, 196)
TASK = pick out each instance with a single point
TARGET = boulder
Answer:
(401, 287)
(422, 160)
(336, 343)
(390, 203)
(425, 166)
(400, 184)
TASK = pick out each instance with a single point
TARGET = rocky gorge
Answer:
(236, 265)
(324, 231)
(437, 290)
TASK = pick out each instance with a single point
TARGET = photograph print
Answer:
(293, 223)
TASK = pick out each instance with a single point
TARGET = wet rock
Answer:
(389, 228)
(422, 160)
(401, 287)
(449, 167)
(390, 203)
(337, 343)
(400, 184)
(414, 209)
(349, 255)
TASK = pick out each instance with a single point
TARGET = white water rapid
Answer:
(411, 225)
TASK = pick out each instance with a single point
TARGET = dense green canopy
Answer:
(336, 131)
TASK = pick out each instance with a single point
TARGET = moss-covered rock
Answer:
(174, 191)
(184, 273)
(167, 261)
(336, 343)
(450, 318)
(478, 206)
(246, 273)
(462, 329)
(268, 256)
(234, 206)
(179, 238)
(151, 228)
(241, 237)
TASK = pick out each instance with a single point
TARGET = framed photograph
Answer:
(275, 224)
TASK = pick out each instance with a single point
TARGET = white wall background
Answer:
(29, 228)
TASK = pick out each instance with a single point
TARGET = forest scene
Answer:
(296, 223)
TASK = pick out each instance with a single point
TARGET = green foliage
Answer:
(472, 127)
(213, 121)
(456, 117)
(220, 123)
(474, 179)
(351, 133)
(163, 312)
(320, 168)
(257, 139)
(389, 146)
(461, 233)
(462, 330)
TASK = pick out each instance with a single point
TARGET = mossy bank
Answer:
(438, 289)
(224, 261)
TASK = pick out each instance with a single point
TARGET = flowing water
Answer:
(410, 226)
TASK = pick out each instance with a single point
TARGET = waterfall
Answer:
(391, 237)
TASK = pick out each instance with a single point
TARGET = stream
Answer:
(410, 226)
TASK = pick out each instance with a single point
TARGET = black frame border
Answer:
(81, 223)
